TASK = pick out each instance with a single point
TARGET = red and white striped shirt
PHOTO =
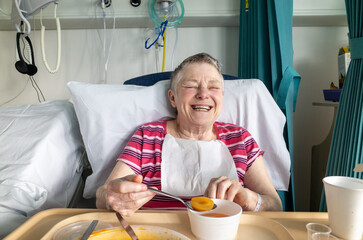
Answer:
(143, 155)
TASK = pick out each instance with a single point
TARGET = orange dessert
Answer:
(202, 203)
(121, 234)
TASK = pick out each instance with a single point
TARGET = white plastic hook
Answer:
(24, 20)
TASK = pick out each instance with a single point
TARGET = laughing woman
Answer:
(191, 155)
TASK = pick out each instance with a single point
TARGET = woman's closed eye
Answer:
(214, 87)
(191, 86)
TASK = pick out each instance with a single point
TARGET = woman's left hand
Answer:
(226, 188)
(255, 181)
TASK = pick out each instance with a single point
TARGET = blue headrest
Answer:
(151, 79)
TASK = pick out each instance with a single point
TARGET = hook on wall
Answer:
(135, 3)
(106, 3)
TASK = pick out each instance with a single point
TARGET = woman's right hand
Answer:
(128, 195)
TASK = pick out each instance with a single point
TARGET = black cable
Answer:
(37, 89)
(31, 81)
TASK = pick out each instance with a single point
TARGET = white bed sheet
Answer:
(40, 159)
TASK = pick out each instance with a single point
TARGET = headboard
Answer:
(151, 79)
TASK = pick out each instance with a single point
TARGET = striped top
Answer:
(143, 155)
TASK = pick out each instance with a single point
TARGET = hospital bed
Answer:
(42, 159)
(109, 114)
(42, 156)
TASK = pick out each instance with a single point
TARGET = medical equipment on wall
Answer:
(25, 64)
(58, 41)
(22, 10)
(135, 3)
(106, 4)
(165, 14)
(21, 65)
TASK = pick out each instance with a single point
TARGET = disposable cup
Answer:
(344, 199)
(316, 228)
(323, 236)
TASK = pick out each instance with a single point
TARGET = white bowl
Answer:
(218, 228)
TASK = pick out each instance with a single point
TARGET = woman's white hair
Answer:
(197, 58)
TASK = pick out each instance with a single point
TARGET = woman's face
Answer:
(199, 95)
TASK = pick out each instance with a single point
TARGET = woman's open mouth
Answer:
(201, 108)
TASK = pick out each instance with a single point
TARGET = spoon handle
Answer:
(127, 227)
(187, 204)
(166, 194)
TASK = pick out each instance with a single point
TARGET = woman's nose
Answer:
(202, 93)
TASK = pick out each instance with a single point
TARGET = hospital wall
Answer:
(315, 59)
(82, 57)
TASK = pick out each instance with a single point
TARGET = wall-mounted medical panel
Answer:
(84, 14)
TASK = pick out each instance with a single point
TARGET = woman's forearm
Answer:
(270, 203)
(266, 203)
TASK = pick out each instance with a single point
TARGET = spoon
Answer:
(187, 204)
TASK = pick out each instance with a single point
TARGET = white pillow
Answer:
(109, 114)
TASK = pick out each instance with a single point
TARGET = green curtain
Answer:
(347, 142)
(266, 53)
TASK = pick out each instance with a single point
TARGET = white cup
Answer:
(344, 199)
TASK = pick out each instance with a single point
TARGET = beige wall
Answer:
(81, 57)
(316, 60)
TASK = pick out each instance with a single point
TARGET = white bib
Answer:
(188, 165)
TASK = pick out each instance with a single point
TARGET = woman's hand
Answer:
(128, 195)
(226, 188)
(255, 181)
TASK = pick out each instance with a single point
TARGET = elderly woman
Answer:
(191, 155)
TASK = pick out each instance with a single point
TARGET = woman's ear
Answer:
(171, 96)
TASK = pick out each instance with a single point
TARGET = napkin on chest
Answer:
(188, 165)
